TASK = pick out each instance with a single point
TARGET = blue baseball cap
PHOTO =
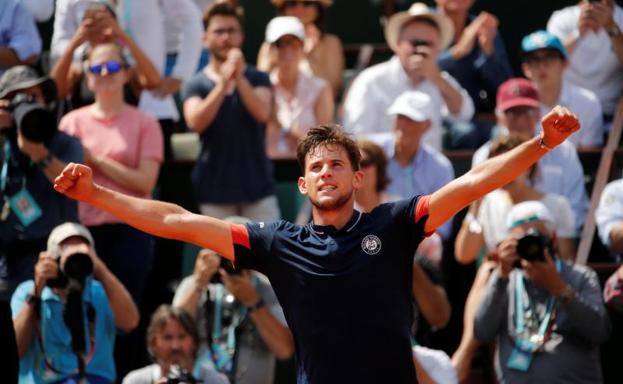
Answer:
(542, 40)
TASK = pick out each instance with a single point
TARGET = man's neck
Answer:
(368, 200)
(405, 154)
(336, 217)
(550, 94)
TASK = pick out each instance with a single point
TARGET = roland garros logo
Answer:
(371, 244)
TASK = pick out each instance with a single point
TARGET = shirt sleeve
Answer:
(68, 149)
(24, 37)
(609, 212)
(562, 24)
(152, 142)
(359, 115)
(252, 244)
(18, 299)
(195, 87)
(467, 105)
(260, 79)
(412, 214)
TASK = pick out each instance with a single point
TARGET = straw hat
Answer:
(418, 11)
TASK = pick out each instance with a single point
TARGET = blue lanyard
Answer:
(5, 166)
(531, 345)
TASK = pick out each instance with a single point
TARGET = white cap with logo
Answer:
(415, 105)
(63, 232)
(284, 25)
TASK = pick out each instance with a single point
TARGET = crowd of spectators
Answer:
(122, 77)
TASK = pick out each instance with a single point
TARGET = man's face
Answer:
(544, 67)
(172, 345)
(223, 33)
(417, 33)
(329, 179)
(520, 120)
(409, 131)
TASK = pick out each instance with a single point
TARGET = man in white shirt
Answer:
(544, 61)
(591, 33)
(416, 36)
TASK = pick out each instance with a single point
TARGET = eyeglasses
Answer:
(225, 31)
(517, 112)
(294, 3)
(111, 66)
(546, 58)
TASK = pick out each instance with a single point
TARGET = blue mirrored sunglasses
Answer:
(112, 67)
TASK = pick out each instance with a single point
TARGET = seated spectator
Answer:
(302, 100)
(124, 147)
(228, 104)
(97, 27)
(560, 171)
(416, 36)
(323, 51)
(20, 43)
(547, 316)
(242, 328)
(44, 309)
(609, 216)
(477, 60)
(414, 167)
(172, 341)
(591, 33)
(544, 61)
(31, 158)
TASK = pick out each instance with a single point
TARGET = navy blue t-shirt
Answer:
(346, 293)
(232, 166)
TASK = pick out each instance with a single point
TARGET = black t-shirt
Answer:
(346, 293)
(232, 166)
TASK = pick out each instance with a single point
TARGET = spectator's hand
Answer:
(236, 57)
(241, 287)
(76, 182)
(557, 125)
(312, 38)
(35, 151)
(507, 256)
(108, 27)
(5, 115)
(206, 265)
(468, 38)
(84, 32)
(168, 86)
(602, 13)
(487, 32)
(586, 21)
(544, 274)
(46, 269)
(423, 65)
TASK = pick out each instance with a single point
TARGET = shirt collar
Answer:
(330, 229)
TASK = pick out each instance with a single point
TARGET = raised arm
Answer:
(155, 217)
(496, 172)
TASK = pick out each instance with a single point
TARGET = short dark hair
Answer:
(324, 135)
(378, 159)
(165, 313)
(222, 9)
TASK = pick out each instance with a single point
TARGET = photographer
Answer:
(245, 306)
(33, 152)
(173, 341)
(55, 344)
(554, 337)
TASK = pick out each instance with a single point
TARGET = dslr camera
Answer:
(531, 246)
(74, 269)
(35, 122)
(178, 375)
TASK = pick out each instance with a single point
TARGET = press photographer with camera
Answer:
(32, 153)
(173, 342)
(66, 318)
(547, 315)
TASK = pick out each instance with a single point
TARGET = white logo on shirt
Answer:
(261, 224)
(371, 244)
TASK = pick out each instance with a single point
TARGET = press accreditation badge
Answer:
(25, 207)
(519, 360)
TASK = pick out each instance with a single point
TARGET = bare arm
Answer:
(123, 307)
(9, 58)
(500, 170)
(155, 217)
(200, 113)
(257, 100)
(141, 180)
(277, 337)
(146, 73)
(452, 97)
(430, 298)
(468, 241)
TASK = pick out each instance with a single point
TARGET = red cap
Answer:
(517, 92)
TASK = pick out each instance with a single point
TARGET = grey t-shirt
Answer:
(255, 364)
(151, 373)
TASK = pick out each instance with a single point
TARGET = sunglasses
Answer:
(294, 3)
(112, 67)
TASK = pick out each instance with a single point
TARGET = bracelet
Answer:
(544, 146)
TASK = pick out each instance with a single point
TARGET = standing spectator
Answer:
(591, 33)
(43, 315)
(302, 100)
(228, 103)
(19, 39)
(242, 328)
(548, 317)
(544, 61)
(609, 215)
(416, 36)
(27, 170)
(173, 343)
(477, 60)
(560, 170)
(41, 10)
(323, 51)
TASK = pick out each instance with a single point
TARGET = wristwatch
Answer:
(613, 31)
(43, 163)
(259, 304)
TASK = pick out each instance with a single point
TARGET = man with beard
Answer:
(343, 280)
(228, 103)
(172, 340)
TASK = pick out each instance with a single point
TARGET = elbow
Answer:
(285, 350)
(130, 322)
(263, 116)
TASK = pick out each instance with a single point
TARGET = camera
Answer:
(74, 271)
(32, 120)
(531, 246)
(178, 375)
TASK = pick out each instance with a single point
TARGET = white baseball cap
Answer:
(529, 212)
(284, 25)
(63, 232)
(415, 105)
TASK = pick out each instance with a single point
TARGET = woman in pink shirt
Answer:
(124, 146)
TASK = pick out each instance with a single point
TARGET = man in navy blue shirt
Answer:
(344, 280)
